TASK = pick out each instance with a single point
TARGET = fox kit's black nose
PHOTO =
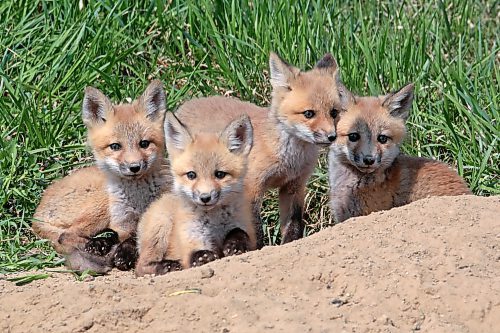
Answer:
(332, 137)
(205, 198)
(368, 160)
(135, 168)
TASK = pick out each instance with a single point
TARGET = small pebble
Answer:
(207, 273)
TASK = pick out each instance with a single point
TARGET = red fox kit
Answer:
(287, 137)
(207, 216)
(367, 172)
(127, 141)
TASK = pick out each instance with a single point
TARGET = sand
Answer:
(431, 266)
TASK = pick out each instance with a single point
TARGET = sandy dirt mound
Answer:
(432, 266)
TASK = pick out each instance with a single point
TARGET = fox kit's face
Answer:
(208, 168)
(127, 140)
(371, 131)
(308, 104)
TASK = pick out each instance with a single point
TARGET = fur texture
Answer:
(191, 226)
(77, 206)
(127, 141)
(366, 170)
(287, 136)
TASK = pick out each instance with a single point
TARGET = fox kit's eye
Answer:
(353, 137)
(220, 174)
(144, 144)
(115, 146)
(334, 113)
(309, 114)
(191, 175)
(382, 138)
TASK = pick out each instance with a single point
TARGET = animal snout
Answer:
(368, 160)
(332, 137)
(205, 197)
(324, 138)
(134, 167)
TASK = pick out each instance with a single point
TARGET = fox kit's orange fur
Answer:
(127, 141)
(76, 207)
(367, 172)
(287, 137)
(207, 216)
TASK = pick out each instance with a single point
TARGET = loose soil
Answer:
(432, 266)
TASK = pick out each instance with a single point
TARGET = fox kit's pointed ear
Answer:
(346, 97)
(282, 73)
(399, 103)
(330, 66)
(238, 136)
(95, 107)
(154, 101)
(328, 62)
(176, 134)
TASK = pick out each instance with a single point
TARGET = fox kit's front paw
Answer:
(203, 257)
(236, 242)
(157, 267)
(167, 266)
(126, 255)
(101, 245)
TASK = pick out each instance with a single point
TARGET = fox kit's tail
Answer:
(80, 261)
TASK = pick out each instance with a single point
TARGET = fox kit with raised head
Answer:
(207, 216)
(287, 136)
(127, 141)
(366, 170)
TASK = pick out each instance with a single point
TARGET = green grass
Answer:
(52, 49)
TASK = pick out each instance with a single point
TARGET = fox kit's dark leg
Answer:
(236, 242)
(125, 255)
(158, 267)
(101, 245)
(203, 257)
(81, 258)
(83, 228)
(291, 203)
(256, 207)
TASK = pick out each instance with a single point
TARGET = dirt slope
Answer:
(432, 266)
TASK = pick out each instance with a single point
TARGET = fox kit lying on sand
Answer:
(287, 137)
(207, 216)
(127, 141)
(368, 174)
